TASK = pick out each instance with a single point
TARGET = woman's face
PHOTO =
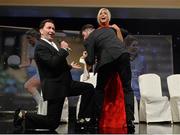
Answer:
(103, 17)
(133, 48)
(31, 40)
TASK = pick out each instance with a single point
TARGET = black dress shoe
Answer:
(93, 124)
(130, 127)
(81, 124)
(87, 124)
(17, 120)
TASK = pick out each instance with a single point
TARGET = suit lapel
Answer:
(48, 45)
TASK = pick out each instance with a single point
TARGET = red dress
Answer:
(113, 117)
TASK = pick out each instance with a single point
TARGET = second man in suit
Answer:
(104, 47)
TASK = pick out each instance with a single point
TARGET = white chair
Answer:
(88, 77)
(136, 112)
(92, 79)
(173, 82)
(42, 109)
(153, 106)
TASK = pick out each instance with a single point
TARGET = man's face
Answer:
(85, 33)
(48, 31)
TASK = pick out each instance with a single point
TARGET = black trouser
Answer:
(49, 121)
(54, 110)
(86, 90)
(122, 66)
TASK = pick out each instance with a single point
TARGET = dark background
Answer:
(138, 21)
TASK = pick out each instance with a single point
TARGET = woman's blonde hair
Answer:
(108, 12)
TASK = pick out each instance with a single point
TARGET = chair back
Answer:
(173, 82)
(150, 85)
(92, 78)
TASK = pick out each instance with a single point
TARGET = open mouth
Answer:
(103, 19)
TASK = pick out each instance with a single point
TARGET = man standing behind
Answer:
(56, 82)
(112, 57)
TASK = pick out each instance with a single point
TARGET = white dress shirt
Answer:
(51, 43)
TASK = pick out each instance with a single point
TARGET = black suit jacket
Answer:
(103, 45)
(53, 69)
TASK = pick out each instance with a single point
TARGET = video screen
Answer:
(16, 51)
(154, 56)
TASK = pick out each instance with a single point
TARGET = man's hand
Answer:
(65, 45)
(75, 65)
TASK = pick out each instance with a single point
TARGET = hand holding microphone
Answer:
(65, 46)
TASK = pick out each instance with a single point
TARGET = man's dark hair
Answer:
(86, 26)
(32, 32)
(44, 22)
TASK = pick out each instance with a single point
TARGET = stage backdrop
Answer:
(155, 56)
(12, 79)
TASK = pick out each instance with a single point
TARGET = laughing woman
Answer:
(113, 89)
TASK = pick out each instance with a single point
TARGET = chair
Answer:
(88, 77)
(92, 79)
(173, 82)
(42, 109)
(136, 113)
(153, 106)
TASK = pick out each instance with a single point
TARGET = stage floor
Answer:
(6, 127)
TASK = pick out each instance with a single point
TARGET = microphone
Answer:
(65, 43)
(69, 49)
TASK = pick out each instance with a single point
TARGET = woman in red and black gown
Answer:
(113, 67)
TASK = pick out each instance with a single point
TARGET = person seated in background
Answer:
(138, 63)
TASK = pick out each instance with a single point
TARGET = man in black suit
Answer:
(56, 82)
(104, 47)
